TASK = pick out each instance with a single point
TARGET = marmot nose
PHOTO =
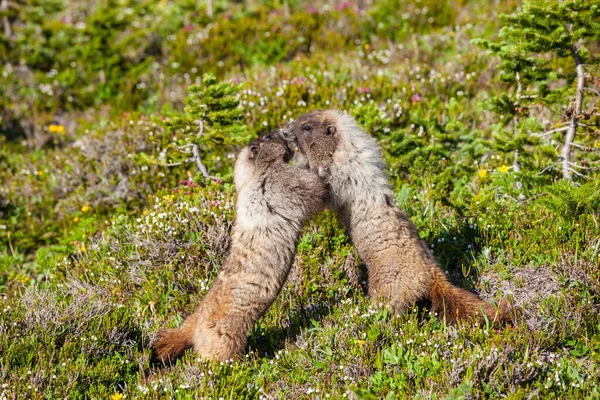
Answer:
(286, 132)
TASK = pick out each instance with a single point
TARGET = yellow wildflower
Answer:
(482, 173)
(24, 279)
(145, 212)
(367, 47)
(503, 169)
(75, 219)
(82, 248)
(85, 208)
(56, 128)
(116, 396)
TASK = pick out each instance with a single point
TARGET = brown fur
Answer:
(274, 200)
(401, 268)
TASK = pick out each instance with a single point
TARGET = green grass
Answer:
(84, 329)
(97, 252)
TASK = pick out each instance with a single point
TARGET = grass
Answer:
(97, 252)
(84, 329)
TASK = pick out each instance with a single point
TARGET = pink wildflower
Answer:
(415, 98)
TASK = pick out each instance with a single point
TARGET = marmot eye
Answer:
(306, 127)
(268, 137)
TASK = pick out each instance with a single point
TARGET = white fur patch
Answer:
(243, 169)
(358, 155)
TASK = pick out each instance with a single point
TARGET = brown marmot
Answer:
(274, 200)
(401, 268)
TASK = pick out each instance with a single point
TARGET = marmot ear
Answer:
(330, 130)
(253, 151)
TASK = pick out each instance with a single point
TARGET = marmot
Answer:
(274, 200)
(401, 268)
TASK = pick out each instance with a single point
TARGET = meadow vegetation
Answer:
(110, 229)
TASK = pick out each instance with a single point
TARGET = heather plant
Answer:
(99, 249)
(399, 20)
(56, 189)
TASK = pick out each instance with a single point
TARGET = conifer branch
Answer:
(187, 160)
(579, 174)
(516, 162)
(548, 133)
(196, 154)
(578, 166)
(597, 93)
(551, 166)
(565, 153)
(586, 148)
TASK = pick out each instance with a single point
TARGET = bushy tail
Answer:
(455, 303)
(172, 343)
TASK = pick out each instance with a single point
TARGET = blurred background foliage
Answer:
(77, 76)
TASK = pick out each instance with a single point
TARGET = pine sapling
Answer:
(537, 43)
(211, 120)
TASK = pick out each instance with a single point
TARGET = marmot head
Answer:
(316, 135)
(261, 153)
(269, 148)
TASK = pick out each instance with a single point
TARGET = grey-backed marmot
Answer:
(274, 200)
(401, 268)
